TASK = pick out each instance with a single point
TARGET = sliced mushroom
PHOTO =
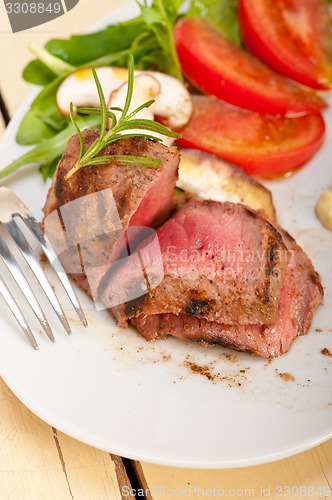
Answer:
(145, 88)
(173, 102)
(80, 88)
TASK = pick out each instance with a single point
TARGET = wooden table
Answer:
(39, 462)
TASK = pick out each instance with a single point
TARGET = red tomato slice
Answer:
(218, 67)
(261, 145)
(290, 36)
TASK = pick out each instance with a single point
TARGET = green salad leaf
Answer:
(38, 73)
(161, 17)
(43, 120)
(80, 49)
(48, 150)
(47, 169)
(221, 13)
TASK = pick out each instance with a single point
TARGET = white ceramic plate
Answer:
(150, 401)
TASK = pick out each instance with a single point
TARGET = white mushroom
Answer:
(172, 100)
(80, 88)
(145, 88)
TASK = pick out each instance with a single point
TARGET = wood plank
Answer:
(89, 471)
(30, 465)
(38, 462)
(123, 480)
(311, 469)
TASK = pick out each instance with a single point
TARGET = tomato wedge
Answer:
(261, 145)
(218, 67)
(289, 36)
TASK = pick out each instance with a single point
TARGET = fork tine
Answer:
(20, 279)
(33, 225)
(9, 299)
(35, 266)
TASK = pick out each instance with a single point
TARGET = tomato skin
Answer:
(272, 40)
(260, 145)
(218, 67)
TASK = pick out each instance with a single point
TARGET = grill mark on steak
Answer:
(270, 269)
(134, 306)
(198, 305)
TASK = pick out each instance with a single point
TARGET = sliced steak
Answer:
(222, 263)
(301, 293)
(124, 196)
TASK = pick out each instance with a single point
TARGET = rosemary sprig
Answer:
(125, 122)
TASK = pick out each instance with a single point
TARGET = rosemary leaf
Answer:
(150, 125)
(102, 105)
(125, 123)
(126, 136)
(125, 160)
(97, 111)
(130, 88)
(79, 133)
(142, 106)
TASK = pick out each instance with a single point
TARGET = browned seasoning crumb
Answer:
(202, 370)
(286, 376)
(326, 352)
(229, 357)
(242, 371)
(318, 330)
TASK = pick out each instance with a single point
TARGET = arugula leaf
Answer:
(80, 49)
(43, 120)
(221, 13)
(160, 18)
(49, 149)
(37, 73)
(48, 169)
(148, 37)
(57, 65)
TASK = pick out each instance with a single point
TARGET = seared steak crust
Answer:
(300, 295)
(222, 263)
(129, 183)
(143, 196)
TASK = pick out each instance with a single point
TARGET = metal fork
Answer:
(10, 207)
